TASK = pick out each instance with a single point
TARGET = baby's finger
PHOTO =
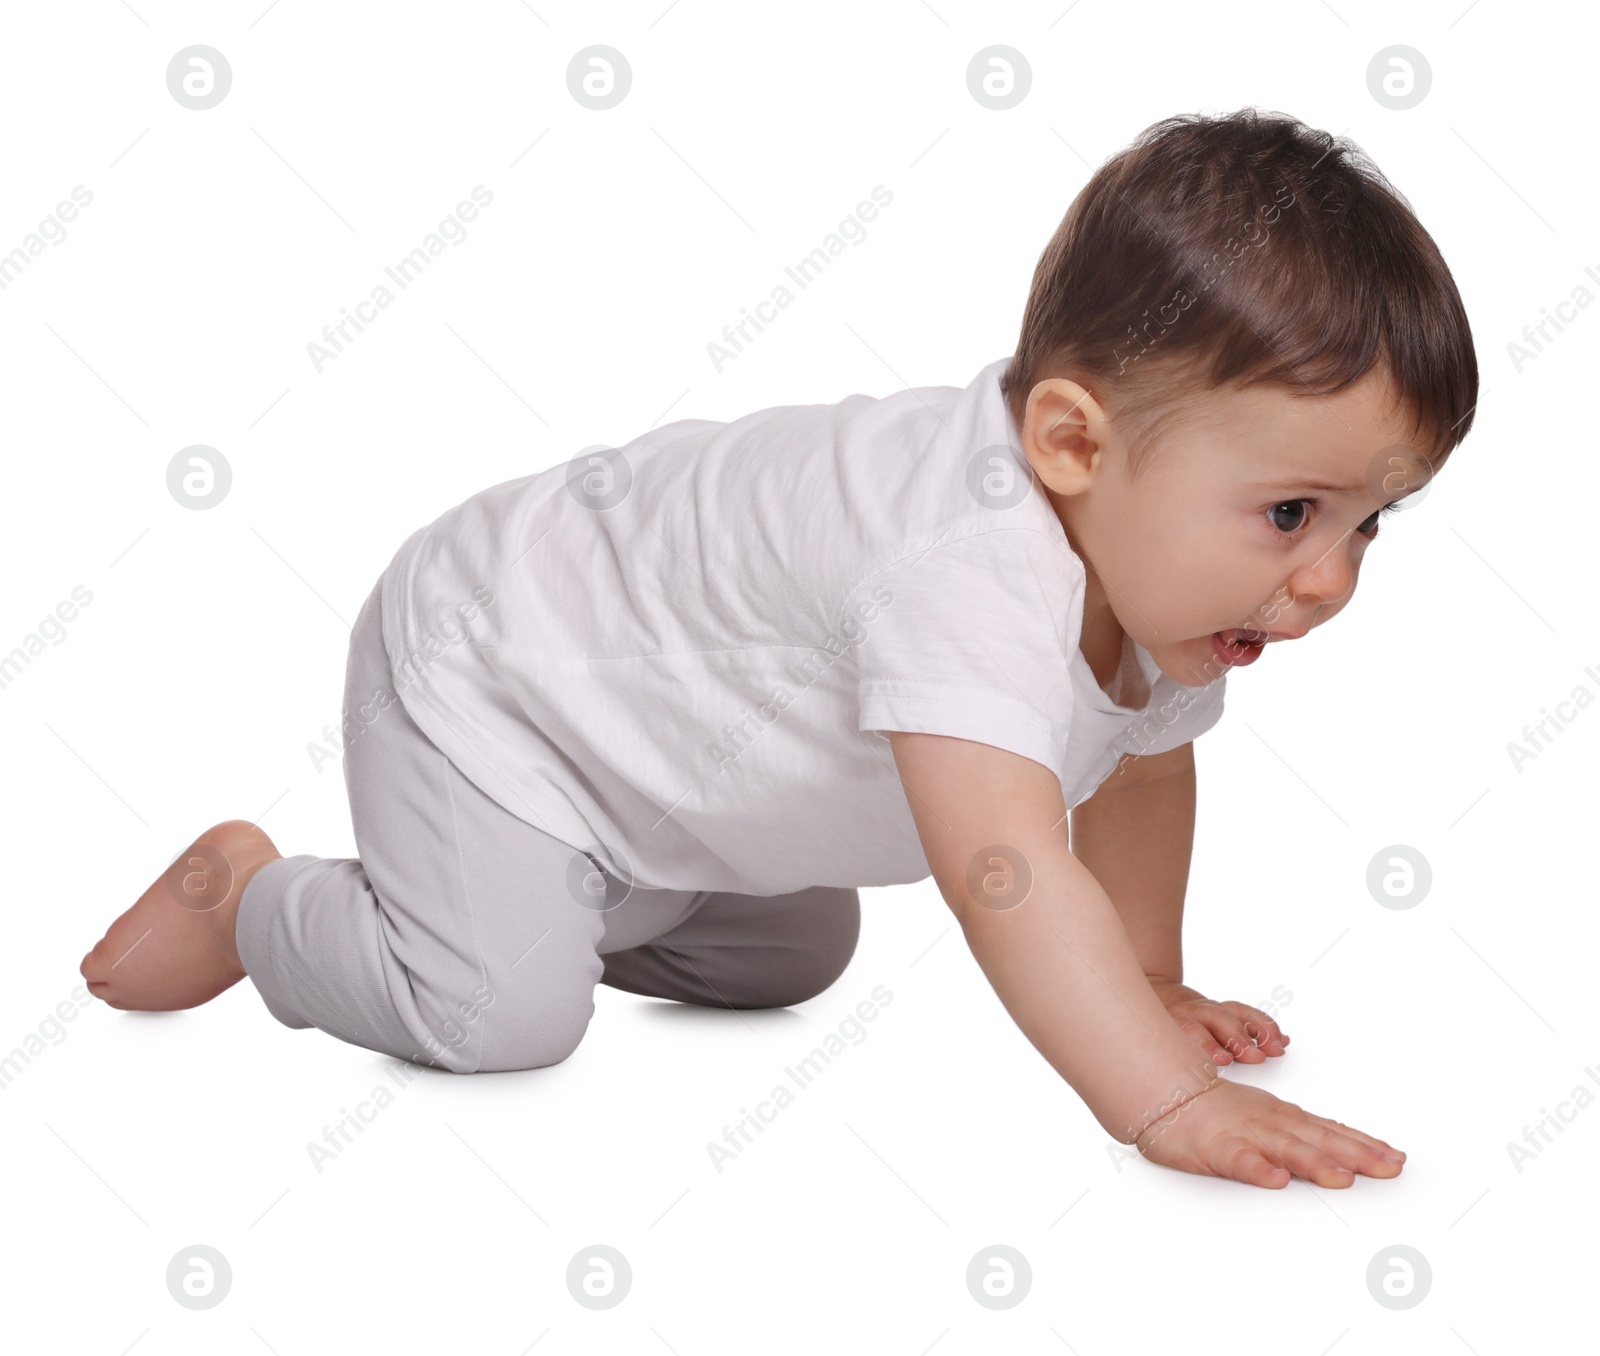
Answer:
(1230, 1030)
(1267, 1033)
(1202, 1036)
(1308, 1161)
(1340, 1127)
(1244, 1162)
(1358, 1155)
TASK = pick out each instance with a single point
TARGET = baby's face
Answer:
(1253, 514)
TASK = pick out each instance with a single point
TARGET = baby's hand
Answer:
(1230, 1023)
(1233, 1130)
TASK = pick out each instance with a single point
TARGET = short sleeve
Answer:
(973, 638)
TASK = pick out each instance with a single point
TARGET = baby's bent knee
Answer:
(534, 1040)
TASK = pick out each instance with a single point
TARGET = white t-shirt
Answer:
(679, 655)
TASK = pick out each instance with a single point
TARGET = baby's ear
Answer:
(1065, 435)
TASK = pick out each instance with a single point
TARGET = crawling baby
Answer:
(653, 716)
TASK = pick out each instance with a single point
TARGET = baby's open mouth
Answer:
(1238, 645)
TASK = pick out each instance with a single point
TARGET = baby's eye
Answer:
(1288, 504)
(1370, 527)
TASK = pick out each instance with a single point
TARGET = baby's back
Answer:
(660, 645)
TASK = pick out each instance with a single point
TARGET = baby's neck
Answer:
(1111, 659)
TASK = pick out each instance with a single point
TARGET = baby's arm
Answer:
(1061, 962)
(1136, 837)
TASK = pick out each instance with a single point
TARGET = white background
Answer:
(578, 310)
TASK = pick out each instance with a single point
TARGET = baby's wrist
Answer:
(1201, 1082)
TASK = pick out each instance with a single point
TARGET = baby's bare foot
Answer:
(175, 948)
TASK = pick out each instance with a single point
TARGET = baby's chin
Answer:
(1190, 663)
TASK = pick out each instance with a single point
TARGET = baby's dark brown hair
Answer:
(1239, 249)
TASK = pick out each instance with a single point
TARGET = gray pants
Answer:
(465, 938)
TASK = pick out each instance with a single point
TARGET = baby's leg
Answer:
(451, 941)
(746, 951)
(458, 938)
